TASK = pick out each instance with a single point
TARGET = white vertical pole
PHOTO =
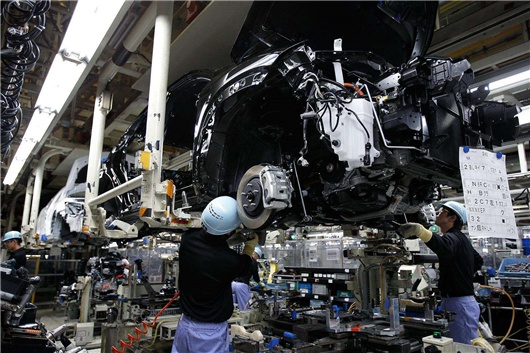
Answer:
(11, 218)
(27, 205)
(156, 110)
(101, 109)
(37, 189)
(522, 158)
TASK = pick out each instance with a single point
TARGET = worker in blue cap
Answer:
(241, 285)
(13, 243)
(207, 268)
(458, 263)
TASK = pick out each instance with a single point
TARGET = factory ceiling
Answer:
(493, 36)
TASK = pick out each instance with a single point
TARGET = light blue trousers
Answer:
(241, 293)
(464, 328)
(200, 337)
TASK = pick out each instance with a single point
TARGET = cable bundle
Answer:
(26, 20)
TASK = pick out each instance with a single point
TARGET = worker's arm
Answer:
(411, 230)
(478, 261)
(250, 244)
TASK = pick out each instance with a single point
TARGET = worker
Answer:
(207, 268)
(458, 263)
(12, 241)
(241, 285)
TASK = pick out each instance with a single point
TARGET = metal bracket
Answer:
(164, 214)
(337, 66)
(125, 230)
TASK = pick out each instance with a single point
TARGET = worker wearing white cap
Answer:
(207, 268)
(458, 263)
(12, 242)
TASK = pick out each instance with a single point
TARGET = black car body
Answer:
(297, 145)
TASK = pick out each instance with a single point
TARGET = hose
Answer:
(138, 331)
(156, 332)
(26, 20)
(481, 342)
(513, 310)
(385, 245)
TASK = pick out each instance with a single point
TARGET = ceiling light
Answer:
(88, 32)
(60, 82)
(29, 142)
(89, 25)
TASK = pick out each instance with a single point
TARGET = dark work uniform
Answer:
(254, 274)
(207, 267)
(458, 262)
(20, 257)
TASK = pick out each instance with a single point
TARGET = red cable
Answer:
(138, 332)
(357, 89)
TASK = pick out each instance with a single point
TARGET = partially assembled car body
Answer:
(62, 217)
(331, 114)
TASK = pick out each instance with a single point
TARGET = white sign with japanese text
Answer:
(486, 194)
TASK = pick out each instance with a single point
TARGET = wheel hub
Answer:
(252, 198)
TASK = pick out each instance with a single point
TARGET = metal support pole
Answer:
(101, 109)
(24, 228)
(11, 218)
(522, 158)
(130, 44)
(151, 157)
(37, 190)
(129, 185)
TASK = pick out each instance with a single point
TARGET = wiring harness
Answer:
(330, 98)
(25, 20)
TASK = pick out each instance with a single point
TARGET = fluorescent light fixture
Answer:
(29, 142)
(90, 23)
(522, 77)
(61, 80)
(88, 27)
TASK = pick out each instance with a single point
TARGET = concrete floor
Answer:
(53, 319)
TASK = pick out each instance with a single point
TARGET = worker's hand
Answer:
(250, 244)
(413, 230)
(263, 285)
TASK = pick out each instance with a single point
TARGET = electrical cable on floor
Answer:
(138, 331)
(513, 310)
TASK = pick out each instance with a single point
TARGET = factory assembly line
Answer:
(332, 130)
